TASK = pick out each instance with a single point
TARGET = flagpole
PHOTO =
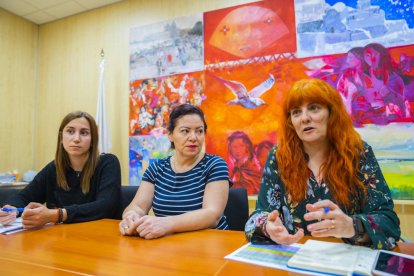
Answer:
(104, 143)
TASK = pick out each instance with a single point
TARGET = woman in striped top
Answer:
(187, 191)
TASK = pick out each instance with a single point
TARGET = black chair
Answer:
(237, 209)
(6, 193)
(127, 194)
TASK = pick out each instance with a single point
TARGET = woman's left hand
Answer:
(36, 215)
(151, 227)
(331, 220)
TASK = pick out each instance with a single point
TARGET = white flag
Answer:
(101, 117)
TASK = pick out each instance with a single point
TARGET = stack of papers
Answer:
(334, 258)
(312, 258)
(15, 227)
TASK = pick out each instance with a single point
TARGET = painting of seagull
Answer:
(248, 99)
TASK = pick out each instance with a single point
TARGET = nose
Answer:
(305, 118)
(76, 137)
(192, 135)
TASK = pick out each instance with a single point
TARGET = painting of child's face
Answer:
(372, 57)
(239, 149)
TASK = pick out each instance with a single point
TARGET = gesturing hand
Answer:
(278, 232)
(332, 221)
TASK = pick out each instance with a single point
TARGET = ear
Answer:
(170, 137)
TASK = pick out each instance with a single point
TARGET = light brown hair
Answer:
(62, 160)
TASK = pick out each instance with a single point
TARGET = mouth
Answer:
(192, 147)
(306, 129)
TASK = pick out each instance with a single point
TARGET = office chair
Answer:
(127, 194)
(6, 193)
(237, 209)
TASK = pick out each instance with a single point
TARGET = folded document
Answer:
(333, 258)
(16, 226)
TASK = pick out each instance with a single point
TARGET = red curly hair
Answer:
(345, 144)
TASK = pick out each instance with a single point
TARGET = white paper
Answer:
(15, 227)
(338, 258)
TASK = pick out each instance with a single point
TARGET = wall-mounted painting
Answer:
(253, 54)
(150, 103)
(165, 48)
(250, 30)
(331, 26)
(377, 87)
(143, 150)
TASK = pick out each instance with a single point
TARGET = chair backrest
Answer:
(6, 193)
(127, 194)
(237, 209)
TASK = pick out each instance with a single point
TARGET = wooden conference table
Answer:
(97, 248)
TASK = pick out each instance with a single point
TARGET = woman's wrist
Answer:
(65, 215)
(57, 216)
(261, 226)
(350, 229)
(358, 228)
(264, 228)
(361, 235)
(129, 213)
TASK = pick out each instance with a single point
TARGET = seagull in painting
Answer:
(248, 99)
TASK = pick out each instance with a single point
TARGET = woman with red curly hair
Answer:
(322, 179)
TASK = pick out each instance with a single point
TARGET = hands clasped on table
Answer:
(147, 227)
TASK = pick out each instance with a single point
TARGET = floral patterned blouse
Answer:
(377, 216)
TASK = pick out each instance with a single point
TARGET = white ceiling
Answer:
(43, 11)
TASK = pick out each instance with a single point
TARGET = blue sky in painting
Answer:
(394, 9)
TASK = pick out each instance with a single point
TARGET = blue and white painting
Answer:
(143, 150)
(332, 27)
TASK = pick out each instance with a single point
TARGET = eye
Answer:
(200, 131)
(314, 107)
(294, 112)
(84, 132)
(69, 131)
(185, 131)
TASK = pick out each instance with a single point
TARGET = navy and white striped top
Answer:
(178, 193)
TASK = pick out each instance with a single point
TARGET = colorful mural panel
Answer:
(330, 27)
(251, 61)
(242, 127)
(166, 48)
(256, 29)
(143, 150)
(151, 100)
(376, 85)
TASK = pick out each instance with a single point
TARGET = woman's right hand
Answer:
(278, 232)
(127, 225)
(7, 218)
